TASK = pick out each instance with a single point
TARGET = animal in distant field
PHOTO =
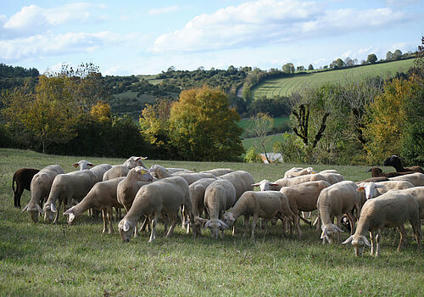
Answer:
(22, 181)
(396, 162)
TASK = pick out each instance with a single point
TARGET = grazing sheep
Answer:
(21, 181)
(418, 194)
(332, 178)
(298, 171)
(83, 164)
(378, 172)
(335, 201)
(373, 190)
(266, 205)
(102, 196)
(218, 171)
(65, 188)
(287, 182)
(303, 197)
(396, 162)
(391, 209)
(220, 195)
(197, 195)
(129, 186)
(161, 172)
(241, 180)
(417, 179)
(122, 170)
(41, 184)
(164, 196)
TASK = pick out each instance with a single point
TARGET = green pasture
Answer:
(61, 260)
(279, 123)
(286, 86)
(269, 142)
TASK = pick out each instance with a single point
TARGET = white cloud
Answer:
(60, 44)
(252, 24)
(34, 20)
(163, 10)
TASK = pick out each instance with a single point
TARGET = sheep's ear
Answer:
(255, 185)
(207, 224)
(71, 216)
(143, 158)
(53, 208)
(126, 226)
(367, 243)
(75, 165)
(223, 225)
(338, 229)
(90, 164)
(25, 208)
(323, 234)
(348, 240)
(360, 189)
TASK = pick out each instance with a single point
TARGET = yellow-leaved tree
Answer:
(203, 127)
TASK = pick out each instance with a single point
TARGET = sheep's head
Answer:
(143, 174)
(358, 242)
(328, 232)
(215, 225)
(34, 212)
(70, 214)
(135, 161)
(126, 230)
(393, 160)
(228, 218)
(83, 164)
(266, 185)
(49, 212)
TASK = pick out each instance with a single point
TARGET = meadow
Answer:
(61, 260)
(286, 86)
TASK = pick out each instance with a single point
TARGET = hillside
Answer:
(278, 87)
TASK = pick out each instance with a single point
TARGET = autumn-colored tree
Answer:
(203, 127)
(101, 112)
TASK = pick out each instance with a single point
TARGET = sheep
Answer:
(83, 164)
(332, 178)
(40, 188)
(66, 187)
(241, 180)
(100, 170)
(220, 195)
(129, 186)
(102, 196)
(162, 196)
(328, 171)
(267, 205)
(417, 179)
(373, 179)
(218, 171)
(197, 195)
(391, 209)
(378, 172)
(373, 190)
(287, 182)
(172, 170)
(335, 201)
(396, 162)
(303, 197)
(418, 194)
(123, 169)
(159, 171)
(298, 171)
(21, 181)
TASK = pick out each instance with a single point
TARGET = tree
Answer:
(349, 61)
(397, 55)
(389, 56)
(371, 59)
(300, 68)
(261, 124)
(337, 64)
(288, 68)
(203, 127)
(101, 112)
(310, 67)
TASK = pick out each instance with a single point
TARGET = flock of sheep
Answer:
(216, 198)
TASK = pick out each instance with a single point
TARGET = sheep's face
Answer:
(143, 174)
(71, 215)
(126, 230)
(329, 231)
(49, 212)
(83, 164)
(228, 218)
(359, 244)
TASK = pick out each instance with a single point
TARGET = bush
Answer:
(252, 156)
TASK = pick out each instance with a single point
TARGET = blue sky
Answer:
(147, 37)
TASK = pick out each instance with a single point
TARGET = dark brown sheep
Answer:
(22, 178)
(377, 172)
(396, 162)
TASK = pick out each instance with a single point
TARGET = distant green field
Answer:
(286, 86)
(270, 139)
(279, 123)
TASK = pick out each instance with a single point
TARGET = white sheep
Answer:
(328, 171)
(298, 171)
(418, 194)
(335, 201)
(65, 188)
(102, 196)
(41, 184)
(129, 186)
(164, 196)
(417, 179)
(159, 172)
(332, 178)
(123, 169)
(373, 190)
(220, 195)
(100, 170)
(266, 185)
(266, 205)
(218, 171)
(392, 209)
(83, 164)
(241, 180)
(197, 195)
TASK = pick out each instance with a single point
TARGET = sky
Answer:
(147, 37)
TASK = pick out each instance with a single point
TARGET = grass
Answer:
(61, 260)
(286, 86)
(279, 124)
(269, 142)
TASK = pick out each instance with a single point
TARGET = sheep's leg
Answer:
(104, 217)
(403, 236)
(234, 231)
(377, 239)
(56, 217)
(351, 223)
(110, 219)
(296, 222)
(173, 220)
(416, 227)
(154, 222)
(255, 218)
(373, 247)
